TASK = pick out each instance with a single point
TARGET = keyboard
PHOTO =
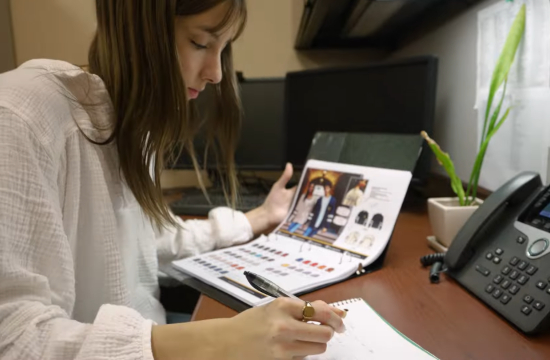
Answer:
(193, 202)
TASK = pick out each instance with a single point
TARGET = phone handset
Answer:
(515, 190)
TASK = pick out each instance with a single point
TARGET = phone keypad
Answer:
(512, 276)
(505, 299)
(538, 305)
(531, 270)
(530, 302)
(523, 279)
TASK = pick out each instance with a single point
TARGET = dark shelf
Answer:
(324, 23)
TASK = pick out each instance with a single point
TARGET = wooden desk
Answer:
(443, 318)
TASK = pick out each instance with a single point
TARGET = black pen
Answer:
(267, 287)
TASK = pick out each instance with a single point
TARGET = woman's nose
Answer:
(212, 70)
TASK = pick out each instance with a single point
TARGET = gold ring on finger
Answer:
(308, 312)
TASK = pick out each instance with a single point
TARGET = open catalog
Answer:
(341, 220)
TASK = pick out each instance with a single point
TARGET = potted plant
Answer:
(448, 215)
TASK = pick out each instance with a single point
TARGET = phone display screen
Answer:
(546, 211)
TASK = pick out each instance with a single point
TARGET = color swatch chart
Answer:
(293, 265)
(239, 259)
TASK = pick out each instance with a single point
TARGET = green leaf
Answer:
(479, 158)
(445, 160)
(496, 113)
(500, 75)
(504, 117)
(483, 150)
(504, 63)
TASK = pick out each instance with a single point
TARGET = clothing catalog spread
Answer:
(341, 220)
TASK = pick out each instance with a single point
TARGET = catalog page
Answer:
(349, 208)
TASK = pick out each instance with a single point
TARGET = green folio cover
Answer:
(388, 151)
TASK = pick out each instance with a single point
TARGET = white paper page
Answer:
(381, 205)
(293, 265)
(369, 337)
(531, 67)
(522, 143)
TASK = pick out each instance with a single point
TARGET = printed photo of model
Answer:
(324, 203)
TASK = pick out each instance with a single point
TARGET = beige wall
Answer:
(55, 29)
(266, 47)
(455, 44)
(7, 55)
(62, 29)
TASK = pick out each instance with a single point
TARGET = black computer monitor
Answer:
(392, 97)
(261, 143)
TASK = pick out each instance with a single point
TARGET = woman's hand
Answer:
(270, 332)
(275, 331)
(275, 207)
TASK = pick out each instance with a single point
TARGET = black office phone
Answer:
(501, 254)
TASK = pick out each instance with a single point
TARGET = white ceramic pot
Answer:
(447, 217)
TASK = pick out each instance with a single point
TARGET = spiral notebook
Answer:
(369, 337)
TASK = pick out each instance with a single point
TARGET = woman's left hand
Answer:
(276, 205)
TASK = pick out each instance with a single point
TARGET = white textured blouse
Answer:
(78, 258)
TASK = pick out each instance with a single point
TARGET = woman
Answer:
(303, 209)
(82, 219)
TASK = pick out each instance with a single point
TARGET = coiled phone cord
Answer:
(436, 262)
(430, 259)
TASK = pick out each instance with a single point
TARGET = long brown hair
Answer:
(134, 52)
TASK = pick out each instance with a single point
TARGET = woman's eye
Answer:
(198, 46)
